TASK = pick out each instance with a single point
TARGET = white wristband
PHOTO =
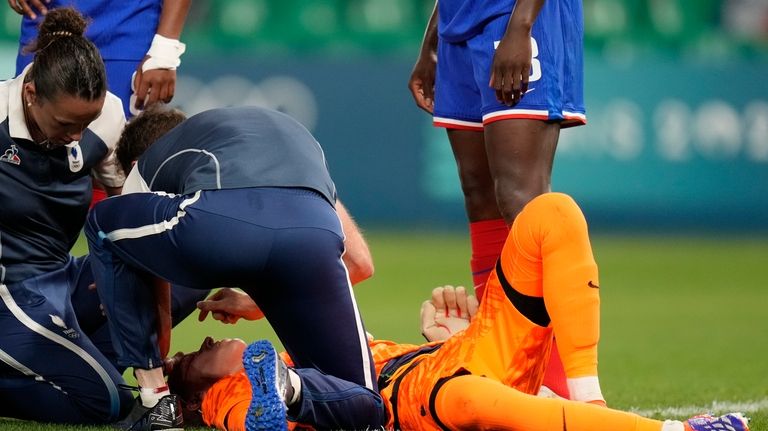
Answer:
(585, 389)
(164, 53)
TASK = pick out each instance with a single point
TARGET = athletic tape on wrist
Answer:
(585, 388)
(164, 53)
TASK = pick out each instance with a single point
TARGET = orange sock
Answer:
(487, 238)
(480, 403)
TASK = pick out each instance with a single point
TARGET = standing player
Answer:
(509, 77)
(59, 127)
(482, 378)
(138, 40)
(232, 197)
(133, 37)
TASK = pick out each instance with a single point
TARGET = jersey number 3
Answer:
(535, 63)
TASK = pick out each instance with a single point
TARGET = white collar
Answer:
(17, 125)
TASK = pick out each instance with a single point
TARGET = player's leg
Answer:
(487, 229)
(131, 239)
(132, 244)
(304, 291)
(329, 402)
(457, 108)
(51, 371)
(552, 232)
(92, 317)
(520, 155)
(284, 248)
(521, 139)
(474, 402)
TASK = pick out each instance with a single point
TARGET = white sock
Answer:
(673, 426)
(295, 381)
(150, 396)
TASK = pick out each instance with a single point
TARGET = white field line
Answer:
(717, 408)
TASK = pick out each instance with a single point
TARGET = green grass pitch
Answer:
(684, 319)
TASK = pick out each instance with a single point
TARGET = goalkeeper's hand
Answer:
(228, 306)
(448, 311)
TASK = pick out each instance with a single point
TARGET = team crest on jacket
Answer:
(58, 321)
(11, 155)
(74, 157)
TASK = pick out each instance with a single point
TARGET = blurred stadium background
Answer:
(671, 171)
(676, 96)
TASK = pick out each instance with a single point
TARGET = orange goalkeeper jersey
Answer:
(545, 283)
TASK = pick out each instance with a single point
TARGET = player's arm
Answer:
(422, 81)
(155, 78)
(108, 127)
(357, 256)
(29, 8)
(512, 60)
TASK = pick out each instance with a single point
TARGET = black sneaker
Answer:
(164, 416)
(270, 385)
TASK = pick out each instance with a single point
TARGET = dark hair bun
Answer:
(61, 22)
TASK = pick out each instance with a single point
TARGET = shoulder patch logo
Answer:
(11, 156)
(74, 157)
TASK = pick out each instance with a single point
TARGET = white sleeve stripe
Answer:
(152, 229)
(191, 150)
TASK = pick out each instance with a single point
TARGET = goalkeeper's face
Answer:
(213, 361)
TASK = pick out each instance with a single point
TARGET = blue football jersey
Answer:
(122, 30)
(459, 20)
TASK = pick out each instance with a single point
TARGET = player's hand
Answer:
(511, 66)
(28, 7)
(449, 311)
(152, 86)
(228, 306)
(422, 82)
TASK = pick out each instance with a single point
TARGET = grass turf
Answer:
(683, 318)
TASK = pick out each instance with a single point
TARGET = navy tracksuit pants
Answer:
(57, 362)
(282, 246)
